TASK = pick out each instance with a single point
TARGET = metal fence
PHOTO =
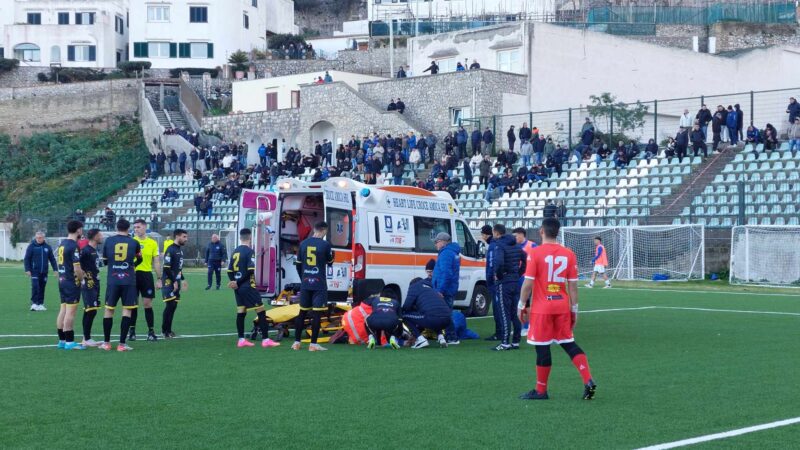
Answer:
(708, 14)
(660, 120)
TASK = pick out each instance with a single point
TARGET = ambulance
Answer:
(377, 232)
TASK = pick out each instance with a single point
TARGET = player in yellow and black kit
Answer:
(90, 288)
(144, 279)
(313, 258)
(241, 272)
(121, 254)
(70, 276)
(172, 280)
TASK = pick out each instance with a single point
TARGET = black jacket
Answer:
(37, 257)
(525, 133)
(423, 299)
(703, 117)
(509, 260)
(550, 210)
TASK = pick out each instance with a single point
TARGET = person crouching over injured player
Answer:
(385, 319)
(425, 308)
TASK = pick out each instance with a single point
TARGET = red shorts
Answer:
(549, 329)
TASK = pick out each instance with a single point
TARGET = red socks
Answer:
(542, 374)
(582, 365)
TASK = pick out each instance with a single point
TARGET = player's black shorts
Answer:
(388, 322)
(169, 293)
(316, 300)
(248, 298)
(91, 298)
(145, 285)
(70, 292)
(121, 292)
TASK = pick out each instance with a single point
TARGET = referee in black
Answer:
(216, 255)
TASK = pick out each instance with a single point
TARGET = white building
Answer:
(204, 33)
(270, 94)
(77, 33)
(462, 9)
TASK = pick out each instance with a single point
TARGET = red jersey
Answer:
(551, 266)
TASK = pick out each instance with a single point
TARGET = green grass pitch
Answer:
(665, 373)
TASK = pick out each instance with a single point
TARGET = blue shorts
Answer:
(316, 300)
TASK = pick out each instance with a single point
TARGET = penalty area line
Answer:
(723, 435)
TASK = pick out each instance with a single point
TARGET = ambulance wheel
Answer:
(481, 300)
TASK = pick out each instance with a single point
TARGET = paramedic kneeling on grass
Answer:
(445, 276)
(425, 308)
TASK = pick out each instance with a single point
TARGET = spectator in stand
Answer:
(633, 150)
(603, 153)
(461, 142)
(547, 149)
(414, 159)
(465, 166)
(717, 122)
(203, 156)
(686, 120)
(450, 144)
(681, 143)
(510, 183)
(669, 149)
(739, 121)
(703, 118)
(525, 151)
(793, 110)
(109, 219)
(475, 162)
(433, 68)
(621, 156)
(698, 141)
(561, 212)
(522, 174)
(476, 138)
(401, 107)
(401, 73)
(525, 132)
(484, 171)
(319, 81)
(430, 142)
(771, 141)
(732, 123)
(587, 132)
(794, 135)
(474, 65)
(173, 161)
(397, 173)
(460, 67)
(182, 162)
(512, 139)
(392, 106)
(328, 77)
(753, 136)
(161, 160)
(550, 210)
(651, 150)
(493, 189)
(488, 139)
(193, 155)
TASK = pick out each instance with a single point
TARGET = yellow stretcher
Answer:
(282, 317)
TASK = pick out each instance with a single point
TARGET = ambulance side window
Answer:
(426, 229)
(339, 228)
(465, 240)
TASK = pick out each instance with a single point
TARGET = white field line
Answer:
(724, 435)
(777, 313)
(188, 336)
(687, 291)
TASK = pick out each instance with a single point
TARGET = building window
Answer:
(198, 14)
(119, 55)
(2, 52)
(509, 61)
(34, 18)
(295, 99)
(246, 21)
(81, 53)
(458, 114)
(446, 65)
(55, 54)
(63, 18)
(272, 101)
(158, 49)
(84, 18)
(119, 25)
(27, 52)
(158, 13)
(255, 3)
(199, 50)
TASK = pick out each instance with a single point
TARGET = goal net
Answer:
(670, 252)
(765, 255)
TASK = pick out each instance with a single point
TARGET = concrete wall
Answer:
(482, 45)
(576, 64)
(66, 107)
(255, 128)
(374, 61)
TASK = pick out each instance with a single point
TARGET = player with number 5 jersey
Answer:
(552, 273)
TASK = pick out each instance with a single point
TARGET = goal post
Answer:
(654, 252)
(765, 255)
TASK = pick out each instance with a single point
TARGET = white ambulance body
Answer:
(377, 232)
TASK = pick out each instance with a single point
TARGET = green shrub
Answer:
(8, 64)
(134, 66)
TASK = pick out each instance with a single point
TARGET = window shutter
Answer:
(184, 50)
(70, 53)
(210, 50)
(91, 18)
(78, 19)
(173, 50)
(140, 50)
(92, 53)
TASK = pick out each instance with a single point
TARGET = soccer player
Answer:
(385, 318)
(552, 273)
(241, 272)
(522, 240)
(121, 253)
(70, 277)
(173, 281)
(600, 262)
(144, 279)
(313, 257)
(90, 289)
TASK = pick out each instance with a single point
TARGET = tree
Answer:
(239, 60)
(8, 64)
(626, 117)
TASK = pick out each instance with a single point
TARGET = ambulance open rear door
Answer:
(259, 212)
(339, 216)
